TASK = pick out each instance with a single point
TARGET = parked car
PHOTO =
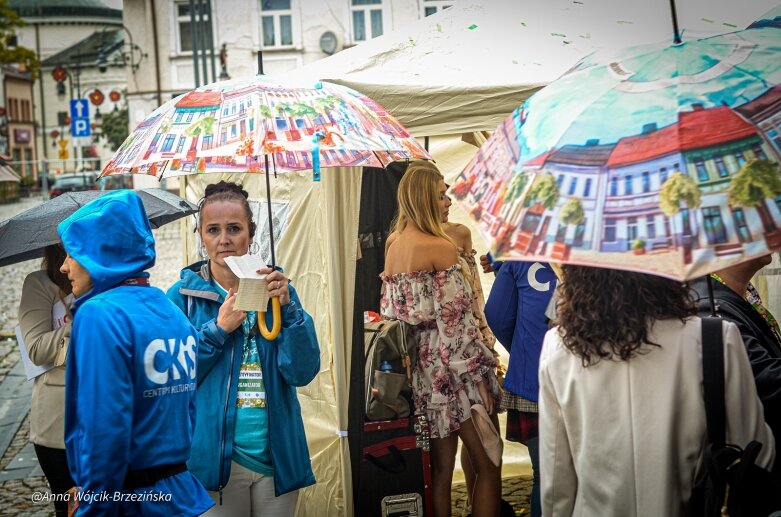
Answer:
(73, 182)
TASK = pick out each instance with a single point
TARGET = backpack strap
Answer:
(713, 379)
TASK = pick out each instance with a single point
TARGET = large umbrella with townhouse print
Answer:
(256, 126)
(657, 158)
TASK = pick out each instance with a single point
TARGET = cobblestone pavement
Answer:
(20, 474)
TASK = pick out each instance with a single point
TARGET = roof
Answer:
(196, 99)
(86, 51)
(587, 155)
(63, 9)
(770, 98)
(695, 129)
(539, 160)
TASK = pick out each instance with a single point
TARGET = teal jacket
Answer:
(293, 359)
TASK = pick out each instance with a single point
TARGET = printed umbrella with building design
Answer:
(657, 158)
(238, 126)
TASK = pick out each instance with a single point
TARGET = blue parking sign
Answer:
(80, 125)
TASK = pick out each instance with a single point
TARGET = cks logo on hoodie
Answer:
(168, 363)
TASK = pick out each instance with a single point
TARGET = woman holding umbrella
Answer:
(252, 451)
(622, 414)
(44, 318)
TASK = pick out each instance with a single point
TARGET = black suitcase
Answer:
(395, 469)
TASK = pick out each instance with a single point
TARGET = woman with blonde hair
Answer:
(424, 286)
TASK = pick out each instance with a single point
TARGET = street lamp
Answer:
(130, 54)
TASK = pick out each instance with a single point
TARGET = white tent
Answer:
(459, 71)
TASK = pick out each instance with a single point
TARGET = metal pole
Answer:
(211, 39)
(194, 43)
(676, 34)
(205, 35)
(45, 180)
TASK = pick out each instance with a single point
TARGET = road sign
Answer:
(80, 125)
(62, 154)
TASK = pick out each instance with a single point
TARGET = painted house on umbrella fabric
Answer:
(716, 143)
(637, 168)
(765, 113)
(179, 137)
(618, 186)
(580, 172)
(493, 165)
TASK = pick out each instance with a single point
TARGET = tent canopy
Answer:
(465, 68)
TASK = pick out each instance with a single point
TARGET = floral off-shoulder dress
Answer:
(451, 357)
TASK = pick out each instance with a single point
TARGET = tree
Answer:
(515, 188)
(679, 188)
(204, 126)
(9, 52)
(115, 126)
(572, 212)
(544, 190)
(756, 181)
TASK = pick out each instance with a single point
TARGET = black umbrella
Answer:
(24, 236)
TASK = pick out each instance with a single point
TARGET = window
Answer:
(207, 142)
(168, 143)
(610, 230)
(561, 233)
(432, 6)
(530, 222)
(773, 135)
(662, 176)
(628, 185)
(587, 188)
(573, 184)
(702, 172)
(759, 152)
(631, 229)
(740, 158)
(367, 19)
(184, 25)
(646, 182)
(614, 186)
(714, 225)
(721, 168)
(740, 224)
(559, 180)
(180, 145)
(276, 23)
(650, 227)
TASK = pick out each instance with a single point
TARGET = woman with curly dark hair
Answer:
(622, 418)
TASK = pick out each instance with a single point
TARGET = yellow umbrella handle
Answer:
(276, 311)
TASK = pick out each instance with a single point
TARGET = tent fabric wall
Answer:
(317, 251)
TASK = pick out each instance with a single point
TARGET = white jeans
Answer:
(251, 494)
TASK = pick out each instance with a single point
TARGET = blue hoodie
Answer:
(515, 312)
(131, 369)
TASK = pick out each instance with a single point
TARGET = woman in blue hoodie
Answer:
(251, 450)
(131, 370)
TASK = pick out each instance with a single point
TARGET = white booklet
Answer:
(253, 292)
(32, 370)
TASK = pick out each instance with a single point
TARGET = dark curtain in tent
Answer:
(378, 208)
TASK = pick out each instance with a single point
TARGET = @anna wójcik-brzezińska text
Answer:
(88, 497)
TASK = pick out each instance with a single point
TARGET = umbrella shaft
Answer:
(270, 217)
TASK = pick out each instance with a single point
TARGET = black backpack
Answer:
(730, 483)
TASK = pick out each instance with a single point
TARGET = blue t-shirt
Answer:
(250, 434)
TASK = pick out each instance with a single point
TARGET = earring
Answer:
(254, 248)
(202, 252)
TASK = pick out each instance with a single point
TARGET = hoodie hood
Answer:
(111, 238)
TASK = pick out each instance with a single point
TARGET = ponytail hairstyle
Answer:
(418, 200)
(228, 191)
